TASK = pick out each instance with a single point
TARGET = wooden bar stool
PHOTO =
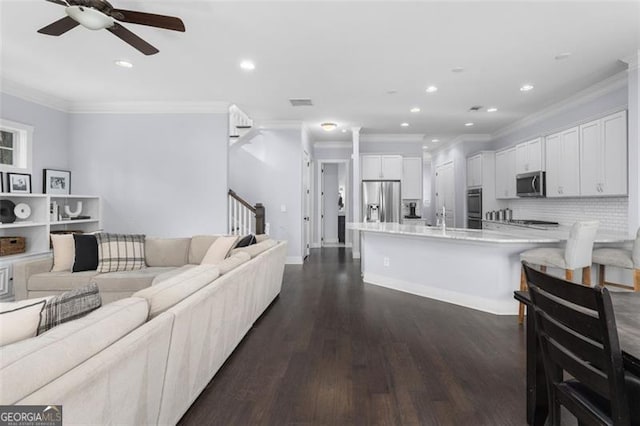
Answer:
(620, 258)
(576, 255)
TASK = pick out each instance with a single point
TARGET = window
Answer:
(15, 147)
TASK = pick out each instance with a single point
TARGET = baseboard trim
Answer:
(315, 245)
(356, 255)
(465, 300)
(331, 241)
(294, 260)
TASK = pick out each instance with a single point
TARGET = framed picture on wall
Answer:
(19, 183)
(56, 182)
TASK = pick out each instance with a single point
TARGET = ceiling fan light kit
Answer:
(100, 15)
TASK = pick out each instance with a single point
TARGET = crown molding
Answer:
(280, 124)
(332, 145)
(615, 82)
(632, 61)
(150, 107)
(30, 94)
(392, 137)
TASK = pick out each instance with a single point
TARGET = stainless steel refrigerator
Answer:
(381, 201)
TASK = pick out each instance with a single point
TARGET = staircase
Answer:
(244, 218)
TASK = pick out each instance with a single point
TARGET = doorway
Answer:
(445, 193)
(334, 188)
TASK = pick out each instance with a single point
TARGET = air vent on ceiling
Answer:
(475, 108)
(301, 102)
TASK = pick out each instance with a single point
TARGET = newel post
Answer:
(260, 218)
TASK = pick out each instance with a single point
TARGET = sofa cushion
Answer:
(68, 306)
(256, 249)
(232, 262)
(19, 320)
(59, 280)
(63, 252)
(199, 246)
(129, 280)
(261, 237)
(86, 252)
(172, 273)
(52, 354)
(169, 292)
(120, 252)
(219, 250)
(167, 251)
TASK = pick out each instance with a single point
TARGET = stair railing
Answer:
(244, 218)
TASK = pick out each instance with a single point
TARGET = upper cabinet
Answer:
(603, 156)
(506, 173)
(474, 171)
(529, 156)
(412, 178)
(381, 167)
(563, 163)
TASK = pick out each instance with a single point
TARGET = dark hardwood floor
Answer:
(334, 351)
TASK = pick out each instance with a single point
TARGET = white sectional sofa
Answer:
(144, 359)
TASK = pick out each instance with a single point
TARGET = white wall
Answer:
(268, 170)
(50, 136)
(330, 176)
(158, 174)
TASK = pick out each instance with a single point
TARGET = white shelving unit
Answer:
(39, 225)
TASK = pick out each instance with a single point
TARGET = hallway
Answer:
(332, 350)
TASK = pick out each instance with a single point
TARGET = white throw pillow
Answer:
(219, 250)
(20, 320)
(64, 252)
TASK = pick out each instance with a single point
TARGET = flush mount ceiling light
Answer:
(247, 65)
(344, 130)
(562, 56)
(415, 109)
(328, 127)
(468, 124)
(124, 64)
(435, 140)
(404, 124)
(432, 89)
(526, 88)
(492, 109)
(89, 17)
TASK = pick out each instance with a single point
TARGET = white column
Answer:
(357, 207)
(634, 141)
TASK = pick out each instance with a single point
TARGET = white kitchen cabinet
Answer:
(563, 163)
(412, 178)
(506, 174)
(603, 156)
(474, 171)
(377, 167)
(529, 156)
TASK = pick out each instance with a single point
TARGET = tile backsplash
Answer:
(611, 212)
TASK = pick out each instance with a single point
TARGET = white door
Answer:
(306, 213)
(445, 193)
(590, 158)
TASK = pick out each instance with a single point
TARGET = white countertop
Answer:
(511, 236)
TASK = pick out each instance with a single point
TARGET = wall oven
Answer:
(474, 208)
(531, 185)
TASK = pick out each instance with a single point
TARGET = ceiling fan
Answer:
(100, 14)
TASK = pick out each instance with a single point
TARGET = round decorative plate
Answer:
(22, 211)
(7, 214)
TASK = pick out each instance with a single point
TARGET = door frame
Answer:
(320, 198)
(453, 189)
(307, 194)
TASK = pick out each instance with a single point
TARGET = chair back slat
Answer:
(577, 331)
(581, 322)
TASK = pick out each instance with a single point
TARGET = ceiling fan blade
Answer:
(135, 41)
(158, 21)
(59, 27)
(60, 2)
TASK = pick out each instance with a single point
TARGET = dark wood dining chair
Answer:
(577, 332)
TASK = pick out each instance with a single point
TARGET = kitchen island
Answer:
(475, 268)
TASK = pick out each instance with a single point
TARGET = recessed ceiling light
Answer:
(124, 64)
(526, 88)
(415, 109)
(435, 140)
(344, 130)
(562, 56)
(328, 127)
(468, 124)
(432, 89)
(492, 109)
(405, 124)
(457, 69)
(391, 92)
(247, 65)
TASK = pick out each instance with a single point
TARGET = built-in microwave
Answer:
(531, 185)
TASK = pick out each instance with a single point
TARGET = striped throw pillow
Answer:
(120, 252)
(70, 305)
